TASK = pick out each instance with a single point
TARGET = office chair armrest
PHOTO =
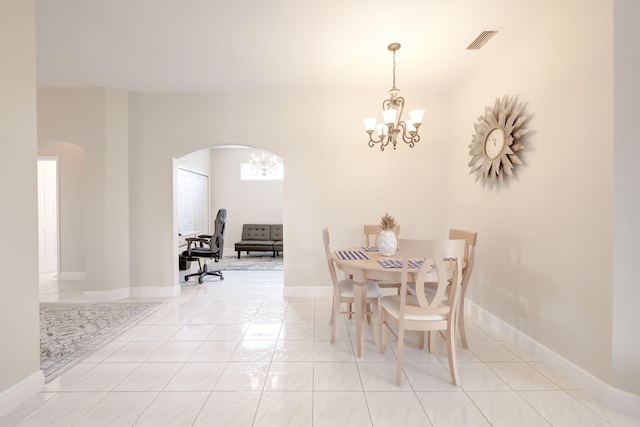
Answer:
(204, 239)
(191, 240)
(195, 239)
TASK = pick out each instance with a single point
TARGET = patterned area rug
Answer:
(68, 331)
(258, 263)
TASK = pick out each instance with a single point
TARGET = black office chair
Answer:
(207, 246)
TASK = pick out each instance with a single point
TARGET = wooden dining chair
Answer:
(343, 291)
(470, 238)
(421, 312)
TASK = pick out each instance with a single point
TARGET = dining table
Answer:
(366, 263)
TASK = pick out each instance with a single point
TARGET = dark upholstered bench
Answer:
(260, 237)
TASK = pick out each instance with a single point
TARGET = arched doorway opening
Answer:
(250, 195)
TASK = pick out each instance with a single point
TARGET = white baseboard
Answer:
(307, 291)
(103, 296)
(154, 291)
(605, 394)
(16, 395)
(71, 275)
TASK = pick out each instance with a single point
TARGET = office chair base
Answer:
(202, 272)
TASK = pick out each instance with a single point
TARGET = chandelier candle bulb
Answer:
(382, 129)
(416, 117)
(370, 124)
(390, 116)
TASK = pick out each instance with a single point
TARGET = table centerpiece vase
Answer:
(387, 239)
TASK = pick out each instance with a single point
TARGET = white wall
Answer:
(71, 200)
(115, 261)
(20, 326)
(96, 119)
(547, 235)
(198, 161)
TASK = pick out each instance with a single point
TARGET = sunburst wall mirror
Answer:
(496, 141)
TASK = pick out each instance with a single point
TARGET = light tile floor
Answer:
(236, 353)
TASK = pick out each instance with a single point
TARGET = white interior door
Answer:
(193, 202)
(48, 215)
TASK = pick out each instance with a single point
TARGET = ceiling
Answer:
(249, 45)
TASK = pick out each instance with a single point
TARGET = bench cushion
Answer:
(275, 232)
(256, 232)
(254, 245)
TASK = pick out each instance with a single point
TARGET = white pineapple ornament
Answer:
(387, 239)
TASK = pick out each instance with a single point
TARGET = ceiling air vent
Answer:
(482, 39)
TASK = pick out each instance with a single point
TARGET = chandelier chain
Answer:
(394, 71)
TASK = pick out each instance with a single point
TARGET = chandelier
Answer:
(392, 126)
(262, 165)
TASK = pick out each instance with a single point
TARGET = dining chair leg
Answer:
(451, 354)
(383, 332)
(334, 332)
(333, 314)
(421, 335)
(375, 311)
(431, 346)
(399, 355)
(463, 334)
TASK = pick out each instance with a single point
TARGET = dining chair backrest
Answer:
(329, 257)
(371, 232)
(470, 238)
(433, 254)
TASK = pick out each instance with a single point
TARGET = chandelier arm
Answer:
(399, 105)
(383, 141)
(407, 137)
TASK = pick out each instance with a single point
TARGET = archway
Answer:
(248, 198)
